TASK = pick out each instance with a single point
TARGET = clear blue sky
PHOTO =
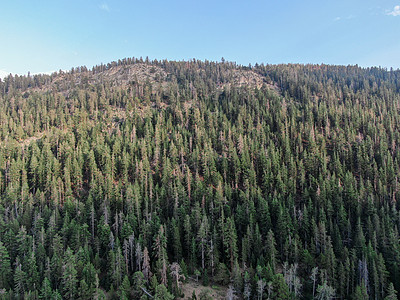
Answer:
(43, 36)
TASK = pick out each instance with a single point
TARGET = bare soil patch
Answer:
(215, 291)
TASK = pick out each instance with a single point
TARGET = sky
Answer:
(45, 36)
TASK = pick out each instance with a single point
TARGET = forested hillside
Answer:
(126, 180)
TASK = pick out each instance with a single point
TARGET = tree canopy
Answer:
(281, 181)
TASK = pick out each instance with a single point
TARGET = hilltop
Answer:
(134, 71)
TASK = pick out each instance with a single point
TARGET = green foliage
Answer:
(5, 268)
(125, 289)
(162, 293)
(360, 293)
(46, 292)
(280, 288)
(222, 275)
(391, 293)
(69, 276)
(108, 175)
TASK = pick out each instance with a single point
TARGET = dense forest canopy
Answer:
(127, 180)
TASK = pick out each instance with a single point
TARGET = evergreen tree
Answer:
(69, 276)
(5, 268)
(162, 293)
(391, 293)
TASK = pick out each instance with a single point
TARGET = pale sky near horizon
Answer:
(45, 36)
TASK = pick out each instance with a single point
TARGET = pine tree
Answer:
(162, 293)
(84, 291)
(46, 292)
(19, 279)
(230, 242)
(325, 292)
(391, 293)
(271, 250)
(360, 293)
(138, 284)
(203, 240)
(32, 272)
(5, 268)
(280, 288)
(125, 288)
(160, 245)
(69, 276)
